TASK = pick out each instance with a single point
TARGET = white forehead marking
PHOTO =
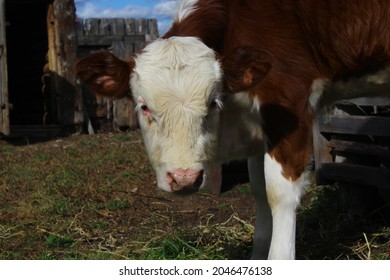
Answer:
(181, 70)
(174, 52)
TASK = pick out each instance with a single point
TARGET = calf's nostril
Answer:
(185, 180)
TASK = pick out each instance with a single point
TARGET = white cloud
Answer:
(92, 10)
(163, 11)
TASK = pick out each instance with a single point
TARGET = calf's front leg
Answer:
(283, 196)
(288, 136)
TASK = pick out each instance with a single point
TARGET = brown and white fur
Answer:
(241, 78)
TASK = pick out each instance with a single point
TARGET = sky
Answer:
(160, 9)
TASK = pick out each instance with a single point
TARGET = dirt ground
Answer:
(100, 193)
(95, 197)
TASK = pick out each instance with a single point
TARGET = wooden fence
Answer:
(122, 37)
(103, 32)
(352, 143)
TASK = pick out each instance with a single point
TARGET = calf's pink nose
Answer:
(179, 179)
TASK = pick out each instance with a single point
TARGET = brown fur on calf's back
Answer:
(347, 37)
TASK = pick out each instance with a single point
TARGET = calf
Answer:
(276, 57)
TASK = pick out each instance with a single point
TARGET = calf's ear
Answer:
(105, 74)
(244, 67)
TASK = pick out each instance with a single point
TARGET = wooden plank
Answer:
(367, 101)
(70, 102)
(105, 27)
(357, 125)
(153, 29)
(139, 45)
(4, 103)
(141, 26)
(130, 26)
(321, 152)
(118, 26)
(119, 49)
(356, 174)
(124, 113)
(91, 26)
(105, 41)
(359, 148)
(123, 108)
(54, 64)
(129, 44)
(80, 28)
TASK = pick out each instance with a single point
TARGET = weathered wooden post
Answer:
(62, 57)
(4, 104)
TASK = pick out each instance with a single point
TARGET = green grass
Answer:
(244, 189)
(60, 241)
(114, 205)
(210, 241)
(95, 197)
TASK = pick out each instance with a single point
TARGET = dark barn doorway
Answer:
(27, 46)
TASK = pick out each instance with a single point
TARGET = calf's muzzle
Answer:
(185, 180)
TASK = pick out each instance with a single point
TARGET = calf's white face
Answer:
(176, 84)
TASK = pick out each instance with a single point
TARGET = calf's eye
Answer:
(215, 104)
(145, 110)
